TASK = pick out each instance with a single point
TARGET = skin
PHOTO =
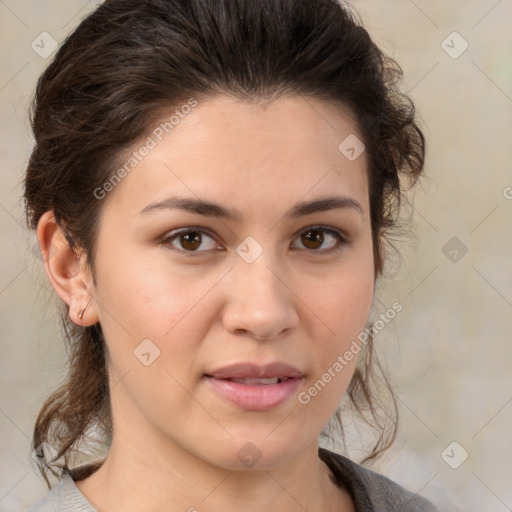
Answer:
(175, 440)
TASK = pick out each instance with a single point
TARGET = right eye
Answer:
(190, 240)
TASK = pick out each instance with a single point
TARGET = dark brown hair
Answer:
(131, 60)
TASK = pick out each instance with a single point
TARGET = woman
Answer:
(212, 186)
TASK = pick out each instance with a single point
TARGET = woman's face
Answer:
(182, 293)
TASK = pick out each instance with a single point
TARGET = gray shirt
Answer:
(370, 491)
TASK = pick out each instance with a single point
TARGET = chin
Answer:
(257, 452)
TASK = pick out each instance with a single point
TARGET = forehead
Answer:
(248, 154)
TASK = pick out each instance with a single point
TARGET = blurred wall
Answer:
(449, 350)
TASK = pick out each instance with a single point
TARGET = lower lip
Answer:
(259, 397)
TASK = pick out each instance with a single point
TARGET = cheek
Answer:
(343, 304)
(144, 299)
(344, 300)
(149, 317)
(158, 314)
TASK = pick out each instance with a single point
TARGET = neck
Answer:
(142, 476)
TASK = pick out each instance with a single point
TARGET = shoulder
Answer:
(371, 490)
(50, 503)
(65, 497)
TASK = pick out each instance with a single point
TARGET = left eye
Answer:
(312, 238)
(316, 237)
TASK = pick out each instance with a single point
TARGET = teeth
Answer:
(251, 381)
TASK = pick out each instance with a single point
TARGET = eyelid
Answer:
(175, 233)
(341, 236)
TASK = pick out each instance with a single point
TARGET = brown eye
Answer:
(313, 239)
(189, 241)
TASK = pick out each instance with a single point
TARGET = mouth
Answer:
(262, 373)
(255, 388)
(254, 381)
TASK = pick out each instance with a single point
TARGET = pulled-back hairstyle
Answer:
(128, 62)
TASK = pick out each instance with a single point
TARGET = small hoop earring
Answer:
(81, 313)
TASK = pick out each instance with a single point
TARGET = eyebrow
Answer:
(211, 209)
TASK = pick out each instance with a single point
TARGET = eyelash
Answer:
(342, 241)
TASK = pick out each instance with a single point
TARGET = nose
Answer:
(260, 302)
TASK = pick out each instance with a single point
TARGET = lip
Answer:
(256, 397)
(242, 370)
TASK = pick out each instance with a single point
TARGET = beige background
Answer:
(449, 350)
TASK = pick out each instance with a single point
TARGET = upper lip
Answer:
(242, 370)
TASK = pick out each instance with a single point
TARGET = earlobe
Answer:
(66, 271)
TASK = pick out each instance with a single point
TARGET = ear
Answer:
(67, 271)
